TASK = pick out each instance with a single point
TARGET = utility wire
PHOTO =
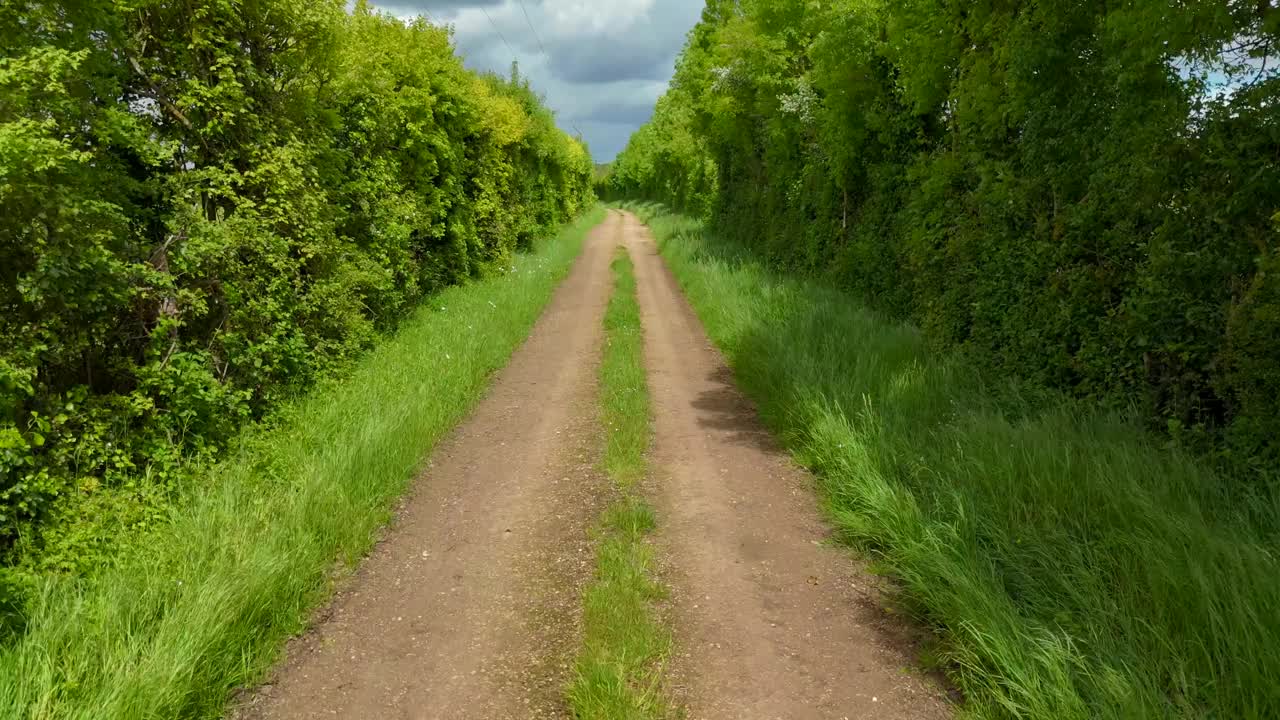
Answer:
(531, 27)
(495, 29)
(514, 54)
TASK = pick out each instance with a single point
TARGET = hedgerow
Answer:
(1081, 194)
(205, 206)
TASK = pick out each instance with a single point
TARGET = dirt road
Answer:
(469, 607)
(770, 623)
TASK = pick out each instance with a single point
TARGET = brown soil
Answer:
(469, 608)
(770, 622)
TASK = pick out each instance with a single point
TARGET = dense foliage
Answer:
(206, 204)
(1082, 194)
(1070, 564)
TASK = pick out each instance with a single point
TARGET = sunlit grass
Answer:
(203, 605)
(618, 672)
(1072, 565)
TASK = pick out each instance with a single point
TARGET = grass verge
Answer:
(202, 606)
(1073, 566)
(618, 672)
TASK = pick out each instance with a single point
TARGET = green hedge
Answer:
(1069, 565)
(1081, 194)
(206, 205)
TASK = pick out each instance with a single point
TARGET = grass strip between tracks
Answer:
(618, 673)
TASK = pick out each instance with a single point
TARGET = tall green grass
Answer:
(202, 606)
(1073, 567)
(618, 674)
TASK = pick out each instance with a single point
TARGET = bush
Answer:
(1081, 194)
(1069, 566)
(205, 206)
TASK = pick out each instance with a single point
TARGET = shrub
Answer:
(1080, 194)
(205, 206)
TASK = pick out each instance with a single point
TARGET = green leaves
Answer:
(205, 206)
(1043, 184)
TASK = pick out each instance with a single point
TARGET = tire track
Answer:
(469, 606)
(769, 622)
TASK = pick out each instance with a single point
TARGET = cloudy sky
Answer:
(600, 63)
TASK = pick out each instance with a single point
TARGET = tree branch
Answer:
(159, 96)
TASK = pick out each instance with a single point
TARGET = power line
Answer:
(531, 27)
(514, 54)
(495, 29)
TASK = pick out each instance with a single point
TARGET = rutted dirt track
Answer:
(770, 624)
(469, 606)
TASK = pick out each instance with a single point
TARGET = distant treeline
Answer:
(1082, 194)
(205, 205)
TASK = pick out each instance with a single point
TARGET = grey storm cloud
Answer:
(609, 59)
(600, 64)
(629, 113)
(422, 7)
